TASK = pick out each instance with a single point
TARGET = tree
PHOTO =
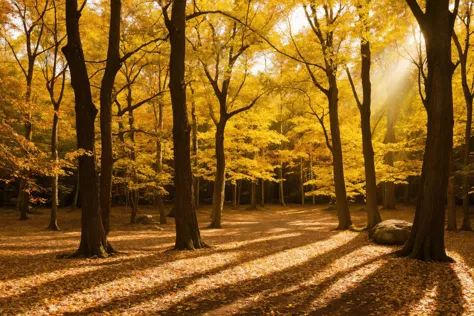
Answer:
(187, 229)
(30, 17)
(426, 240)
(373, 215)
(93, 237)
(54, 71)
(324, 30)
(468, 93)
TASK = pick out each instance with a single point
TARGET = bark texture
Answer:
(426, 240)
(93, 238)
(187, 229)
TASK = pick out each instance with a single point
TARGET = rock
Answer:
(145, 220)
(391, 232)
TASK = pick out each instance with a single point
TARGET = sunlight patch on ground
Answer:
(253, 269)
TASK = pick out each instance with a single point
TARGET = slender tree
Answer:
(373, 215)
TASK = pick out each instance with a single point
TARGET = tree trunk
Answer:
(195, 150)
(343, 214)
(373, 215)
(53, 221)
(262, 193)
(451, 205)
(219, 183)
(239, 191)
(466, 187)
(426, 240)
(313, 197)
(301, 180)
(134, 193)
(76, 194)
(112, 66)
(159, 160)
(234, 195)
(93, 237)
(253, 196)
(187, 229)
(281, 191)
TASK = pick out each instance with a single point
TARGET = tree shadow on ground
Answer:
(217, 297)
(102, 272)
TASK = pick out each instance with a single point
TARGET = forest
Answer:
(236, 157)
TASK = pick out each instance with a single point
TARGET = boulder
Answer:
(145, 220)
(391, 232)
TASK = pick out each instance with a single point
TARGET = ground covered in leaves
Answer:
(275, 260)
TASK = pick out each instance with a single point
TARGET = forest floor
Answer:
(275, 260)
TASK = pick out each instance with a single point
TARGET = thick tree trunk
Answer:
(187, 229)
(343, 214)
(426, 240)
(112, 66)
(53, 221)
(451, 205)
(93, 237)
(219, 183)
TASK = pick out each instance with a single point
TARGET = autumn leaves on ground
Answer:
(287, 260)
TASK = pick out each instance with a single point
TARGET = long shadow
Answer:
(206, 300)
(398, 286)
(68, 284)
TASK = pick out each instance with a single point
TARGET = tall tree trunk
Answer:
(93, 237)
(187, 229)
(53, 221)
(262, 192)
(112, 66)
(219, 183)
(343, 214)
(195, 149)
(426, 240)
(23, 203)
(451, 205)
(159, 160)
(134, 193)
(373, 215)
